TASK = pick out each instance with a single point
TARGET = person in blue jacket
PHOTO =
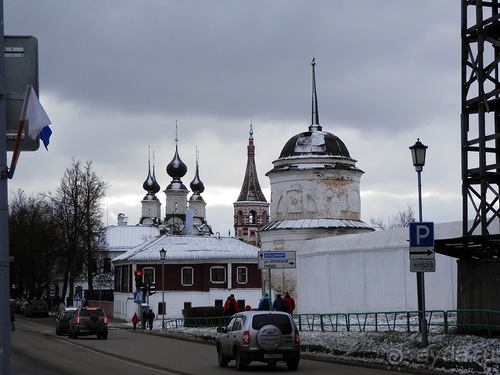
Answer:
(265, 303)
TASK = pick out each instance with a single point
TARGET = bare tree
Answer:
(400, 220)
(77, 205)
(33, 238)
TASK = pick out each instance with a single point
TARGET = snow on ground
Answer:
(450, 353)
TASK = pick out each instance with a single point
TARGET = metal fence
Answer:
(438, 321)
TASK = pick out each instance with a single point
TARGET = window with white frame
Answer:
(218, 274)
(148, 275)
(242, 275)
(187, 276)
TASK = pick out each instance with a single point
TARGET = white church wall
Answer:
(368, 273)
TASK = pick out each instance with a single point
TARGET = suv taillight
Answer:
(297, 337)
(246, 337)
(77, 320)
(106, 320)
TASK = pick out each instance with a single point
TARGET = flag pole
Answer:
(20, 128)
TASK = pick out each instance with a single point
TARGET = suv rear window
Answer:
(280, 321)
(89, 312)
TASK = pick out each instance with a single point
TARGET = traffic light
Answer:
(151, 288)
(138, 280)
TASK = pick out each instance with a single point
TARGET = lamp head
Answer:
(163, 253)
(418, 151)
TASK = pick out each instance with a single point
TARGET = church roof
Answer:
(250, 190)
(315, 223)
(124, 237)
(315, 141)
(382, 239)
(191, 248)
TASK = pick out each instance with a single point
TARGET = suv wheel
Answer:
(269, 337)
(240, 365)
(292, 364)
(222, 360)
(104, 336)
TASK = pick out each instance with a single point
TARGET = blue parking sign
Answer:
(422, 234)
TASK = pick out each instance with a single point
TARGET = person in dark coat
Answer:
(279, 304)
(12, 320)
(144, 319)
(151, 316)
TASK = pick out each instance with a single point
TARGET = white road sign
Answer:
(422, 265)
(424, 253)
(276, 259)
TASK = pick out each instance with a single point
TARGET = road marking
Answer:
(116, 357)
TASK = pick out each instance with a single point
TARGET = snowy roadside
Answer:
(449, 353)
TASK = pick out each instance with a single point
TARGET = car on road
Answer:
(262, 336)
(37, 308)
(88, 321)
(63, 318)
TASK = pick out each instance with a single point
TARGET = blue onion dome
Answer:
(176, 168)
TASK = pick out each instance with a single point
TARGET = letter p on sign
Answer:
(422, 234)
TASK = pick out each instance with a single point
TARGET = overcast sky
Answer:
(116, 75)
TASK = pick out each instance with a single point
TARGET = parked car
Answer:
(63, 318)
(23, 307)
(88, 321)
(37, 308)
(263, 336)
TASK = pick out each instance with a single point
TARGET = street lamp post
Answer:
(163, 253)
(418, 151)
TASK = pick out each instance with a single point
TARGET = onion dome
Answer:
(156, 186)
(196, 185)
(315, 141)
(150, 184)
(176, 169)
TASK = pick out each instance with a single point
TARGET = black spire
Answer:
(314, 115)
(250, 190)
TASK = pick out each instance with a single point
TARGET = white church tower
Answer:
(315, 192)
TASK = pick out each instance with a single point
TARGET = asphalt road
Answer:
(37, 350)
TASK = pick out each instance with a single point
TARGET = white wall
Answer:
(370, 280)
(124, 305)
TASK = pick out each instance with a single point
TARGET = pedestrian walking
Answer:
(144, 319)
(290, 303)
(231, 306)
(264, 303)
(135, 320)
(151, 316)
(12, 320)
(279, 304)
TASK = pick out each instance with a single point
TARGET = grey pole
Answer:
(163, 293)
(420, 275)
(4, 218)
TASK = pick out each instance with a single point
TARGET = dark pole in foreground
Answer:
(418, 151)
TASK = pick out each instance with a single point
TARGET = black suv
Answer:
(88, 321)
(263, 336)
